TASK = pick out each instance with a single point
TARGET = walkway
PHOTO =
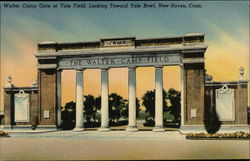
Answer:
(116, 145)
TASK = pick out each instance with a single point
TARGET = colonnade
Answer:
(159, 127)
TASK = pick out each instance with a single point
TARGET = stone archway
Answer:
(185, 51)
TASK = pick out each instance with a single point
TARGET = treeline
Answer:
(118, 108)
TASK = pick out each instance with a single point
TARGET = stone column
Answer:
(104, 100)
(132, 99)
(182, 94)
(158, 100)
(79, 101)
(58, 82)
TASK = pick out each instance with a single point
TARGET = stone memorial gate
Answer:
(41, 103)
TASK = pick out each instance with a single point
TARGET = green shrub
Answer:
(211, 121)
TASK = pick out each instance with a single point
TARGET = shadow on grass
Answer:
(121, 125)
(98, 124)
(166, 124)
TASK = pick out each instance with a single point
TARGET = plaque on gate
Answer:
(193, 112)
(225, 105)
(21, 107)
(46, 114)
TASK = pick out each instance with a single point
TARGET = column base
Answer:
(104, 129)
(16, 127)
(28, 129)
(46, 127)
(185, 129)
(59, 127)
(131, 129)
(78, 129)
(159, 129)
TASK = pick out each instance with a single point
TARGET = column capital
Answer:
(158, 67)
(59, 70)
(132, 67)
(104, 69)
(79, 69)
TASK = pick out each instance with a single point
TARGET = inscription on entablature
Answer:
(119, 61)
(115, 43)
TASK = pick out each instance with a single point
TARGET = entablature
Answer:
(122, 52)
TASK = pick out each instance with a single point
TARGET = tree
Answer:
(125, 110)
(148, 100)
(98, 103)
(69, 116)
(175, 100)
(211, 121)
(116, 104)
(98, 108)
(89, 108)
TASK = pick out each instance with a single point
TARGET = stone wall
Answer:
(9, 118)
(240, 100)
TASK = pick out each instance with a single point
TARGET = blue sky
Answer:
(224, 23)
(91, 24)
